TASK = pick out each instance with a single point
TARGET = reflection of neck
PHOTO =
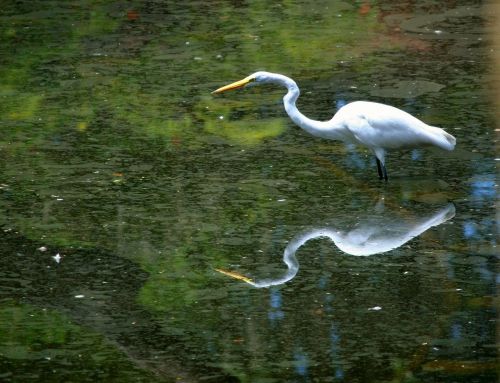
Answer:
(290, 259)
(372, 237)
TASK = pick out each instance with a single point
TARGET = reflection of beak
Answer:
(234, 85)
(234, 275)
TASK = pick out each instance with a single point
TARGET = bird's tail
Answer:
(442, 139)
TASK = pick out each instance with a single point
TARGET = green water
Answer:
(124, 185)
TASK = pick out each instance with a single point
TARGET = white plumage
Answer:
(376, 126)
(372, 234)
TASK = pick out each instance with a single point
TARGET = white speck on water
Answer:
(282, 200)
(79, 296)
(42, 249)
(198, 58)
(221, 117)
(438, 32)
(375, 308)
(57, 258)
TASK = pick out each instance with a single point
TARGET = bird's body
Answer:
(376, 126)
(382, 126)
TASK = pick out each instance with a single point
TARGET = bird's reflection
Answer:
(373, 234)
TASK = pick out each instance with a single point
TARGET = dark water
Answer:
(124, 185)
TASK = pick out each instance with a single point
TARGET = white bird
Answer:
(376, 126)
(369, 236)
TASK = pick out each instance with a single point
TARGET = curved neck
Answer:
(316, 128)
(290, 259)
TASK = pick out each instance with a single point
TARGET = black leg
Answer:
(384, 170)
(379, 169)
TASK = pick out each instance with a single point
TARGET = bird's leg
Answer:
(379, 169)
(380, 156)
(384, 170)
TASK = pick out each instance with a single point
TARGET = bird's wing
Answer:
(383, 126)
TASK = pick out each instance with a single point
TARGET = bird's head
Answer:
(254, 79)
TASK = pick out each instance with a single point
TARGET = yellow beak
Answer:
(234, 85)
(235, 275)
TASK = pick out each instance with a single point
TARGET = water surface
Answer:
(125, 185)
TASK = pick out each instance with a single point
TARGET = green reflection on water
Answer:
(111, 140)
(76, 64)
(39, 344)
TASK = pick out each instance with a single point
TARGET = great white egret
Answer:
(376, 126)
(370, 235)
